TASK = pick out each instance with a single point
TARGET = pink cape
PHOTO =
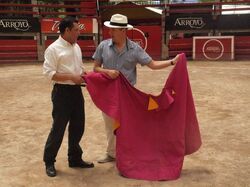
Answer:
(155, 132)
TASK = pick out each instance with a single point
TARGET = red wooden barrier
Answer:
(11, 50)
(177, 46)
(242, 47)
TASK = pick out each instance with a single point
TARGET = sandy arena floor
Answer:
(221, 93)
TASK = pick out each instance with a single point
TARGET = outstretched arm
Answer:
(163, 63)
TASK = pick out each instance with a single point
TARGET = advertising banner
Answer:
(213, 48)
(189, 22)
(87, 25)
(233, 22)
(19, 24)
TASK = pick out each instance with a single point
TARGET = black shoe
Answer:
(50, 170)
(81, 164)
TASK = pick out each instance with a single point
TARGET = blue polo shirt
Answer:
(125, 61)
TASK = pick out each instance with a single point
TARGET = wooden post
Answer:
(215, 15)
(165, 35)
(40, 48)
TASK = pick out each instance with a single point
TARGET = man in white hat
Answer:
(120, 54)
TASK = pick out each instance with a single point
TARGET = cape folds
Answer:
(154, 133)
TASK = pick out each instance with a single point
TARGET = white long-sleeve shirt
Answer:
(62, 57)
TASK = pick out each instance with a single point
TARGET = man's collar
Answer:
(128, 44)
(64, 42)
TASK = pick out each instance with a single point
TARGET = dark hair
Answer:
(67, 22)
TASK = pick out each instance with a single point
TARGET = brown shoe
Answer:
(106, 159)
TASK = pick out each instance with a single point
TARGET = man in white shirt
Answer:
(63, 66)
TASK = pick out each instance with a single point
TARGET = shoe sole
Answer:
(106, 161)
(81, 166)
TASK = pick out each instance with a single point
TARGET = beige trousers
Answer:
(111, 139)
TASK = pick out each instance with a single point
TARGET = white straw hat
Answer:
(118, 21)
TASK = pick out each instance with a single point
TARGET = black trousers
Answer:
(68, 108)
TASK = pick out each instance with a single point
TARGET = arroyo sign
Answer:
(189, 22)
(13, 24)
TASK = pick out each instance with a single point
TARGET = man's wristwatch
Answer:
(172, 62)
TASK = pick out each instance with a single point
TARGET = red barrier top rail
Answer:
(83, 8)
(181, 7)
(90, 8)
